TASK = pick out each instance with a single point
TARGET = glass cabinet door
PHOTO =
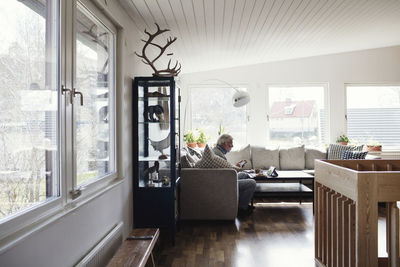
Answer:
(155, 136)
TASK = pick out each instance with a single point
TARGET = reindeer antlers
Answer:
(168, 72)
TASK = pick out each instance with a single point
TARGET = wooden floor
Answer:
(274, 235)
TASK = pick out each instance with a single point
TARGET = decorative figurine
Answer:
(161, 145)
(168, 72)
(153, 113)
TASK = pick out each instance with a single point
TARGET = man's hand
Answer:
(241, 163)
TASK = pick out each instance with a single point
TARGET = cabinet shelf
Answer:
(154, 98)
(155, 158)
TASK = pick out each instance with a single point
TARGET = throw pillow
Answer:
(292, 158)
(346, 154)
(237, 155)
(335, 150)
(210, 160)
(263, 158)
(312, 154)
(185, 162)
(194, 151)
(192, 159)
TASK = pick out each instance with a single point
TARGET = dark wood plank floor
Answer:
(275, 235)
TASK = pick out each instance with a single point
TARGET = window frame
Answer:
(18, 226)
(75, 193)
(325, 86)
(394, 150)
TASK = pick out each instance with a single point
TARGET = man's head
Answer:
(226, 142)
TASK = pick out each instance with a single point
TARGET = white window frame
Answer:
(75, 194)
(20, 225)
(325, 86)
(385, 150)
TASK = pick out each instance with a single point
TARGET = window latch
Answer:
(76, 192)
(64, 91)
(74, 93)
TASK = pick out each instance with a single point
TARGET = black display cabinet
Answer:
(155, 152)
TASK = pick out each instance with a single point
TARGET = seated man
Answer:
(247, 186)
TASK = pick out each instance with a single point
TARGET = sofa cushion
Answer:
(210, 160)
(335, 150)
(263, 158)
(194, 151)
(292, 158)
(185, 162)
(237, 155)
(313, 154)
(346, 154)
(192, 158)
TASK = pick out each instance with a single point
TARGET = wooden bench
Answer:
(136, 249)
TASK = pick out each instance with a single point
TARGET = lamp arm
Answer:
(224, 82)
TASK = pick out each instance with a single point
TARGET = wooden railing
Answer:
(346, 195)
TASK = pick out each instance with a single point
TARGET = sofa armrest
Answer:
(208, 194)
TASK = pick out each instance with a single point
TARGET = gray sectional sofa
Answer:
(212, 194)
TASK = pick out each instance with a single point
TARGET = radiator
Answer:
(104, 250)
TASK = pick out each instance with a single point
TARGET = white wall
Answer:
(65, 241)
(380, 65)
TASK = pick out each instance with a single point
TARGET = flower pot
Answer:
(192, 145)
(374, 148)
(342, 143)
(201, 145)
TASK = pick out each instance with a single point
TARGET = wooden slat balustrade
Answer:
(346, 195)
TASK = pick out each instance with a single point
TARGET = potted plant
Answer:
(202, 139)
(343, 139)
(374, 147)
(189, 139)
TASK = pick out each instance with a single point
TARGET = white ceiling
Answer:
(215, 34)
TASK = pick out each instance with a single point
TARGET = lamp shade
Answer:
(240, 98)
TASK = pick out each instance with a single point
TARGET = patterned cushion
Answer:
(335, 150)
(185, 162)
(192, 159)
(194, 151)
(354, 154)
(210, 160)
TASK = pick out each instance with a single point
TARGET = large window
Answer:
(29, 173)
(95, 80)
(297, 115)
(212, 109)
(57, 102)
(373, 115)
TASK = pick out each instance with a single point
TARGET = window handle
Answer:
(74, 93)
(64, 91)
(77, 192)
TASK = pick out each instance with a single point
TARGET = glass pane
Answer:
(373, 115)
(212, 108)
(94, 121)
(28, 104)
(154, 135)
(297, 115)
